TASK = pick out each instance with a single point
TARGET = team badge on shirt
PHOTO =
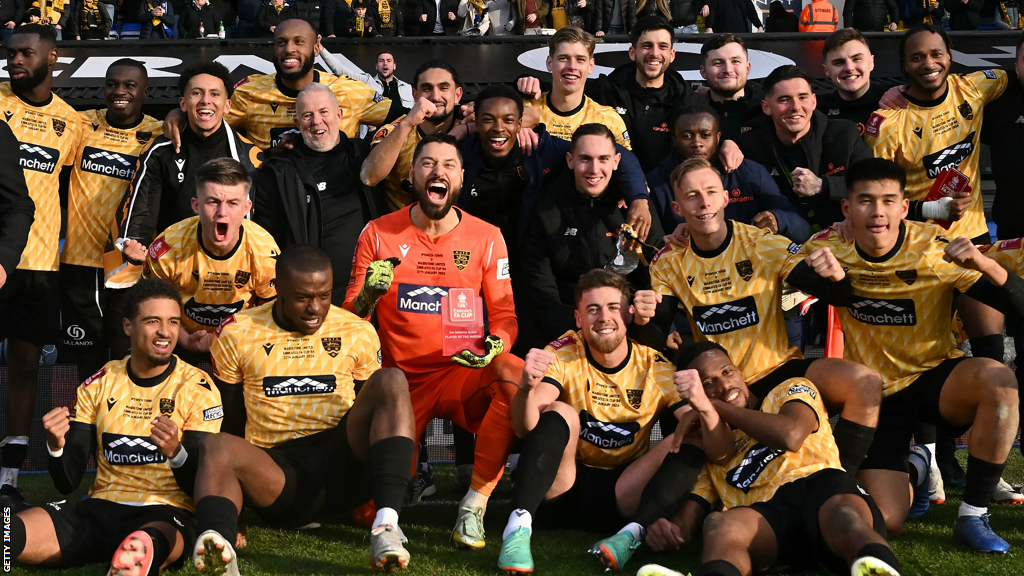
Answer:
(166, 406)
(966, 111)
(59, 126)
(635, 398)
(143, 137)
(745, 269)
(461, 258)
(241, 279)
(332, 346)
(908, 276)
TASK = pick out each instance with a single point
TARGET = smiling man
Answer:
(725, 67)
(848, 62)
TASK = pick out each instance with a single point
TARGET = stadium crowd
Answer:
(554, 267)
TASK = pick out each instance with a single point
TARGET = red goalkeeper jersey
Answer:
(473, 255)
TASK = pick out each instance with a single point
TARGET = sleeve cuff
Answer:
(554, 383)
(179, 458)
(55, 453)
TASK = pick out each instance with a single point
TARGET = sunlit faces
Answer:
(601, 317)
(438, 86)
(696, 136)
(791, 105)
(876, 208)
(154, 331)
(436, 177)
(221, 209)
(593, 160)
(700, 199)
(726, 69)
(570, 65)
(849, 67)
(497, 123)
(294, 49)
(205, 102)
(28, 61)
(385, 66)
(926, 62)
(653, 53)
(721, 378)
(318, 116)
(124, 92)
(304, 298)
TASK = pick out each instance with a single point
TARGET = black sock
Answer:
(982, 478)
(670, 486)
(390, 460)
(219, 514)
(925, 433)
(13, 455)
(718, 568)
(161, 548)
(853, 441)
(882, 552)
(17, 536)
(990, 346)
(539, 460)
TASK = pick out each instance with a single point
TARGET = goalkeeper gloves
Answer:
(376, 283)
(492, 347)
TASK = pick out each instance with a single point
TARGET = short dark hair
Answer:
(440, 65)
(499, 91)
(383, 52)
(719, 40)
(224, 171)
(47, 34)
(301, 259)
(592, 129)
(691, 352)
(601, 278)
(783, 73)
(694, 110)
(875, 170)
(148, 289)
(841, 37)
(129, 63)
(215, 69)
(650, 24)
(437, 139)
(920, 29)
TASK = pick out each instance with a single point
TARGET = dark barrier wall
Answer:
(479, 61)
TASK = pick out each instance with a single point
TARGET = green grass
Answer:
(925, 547)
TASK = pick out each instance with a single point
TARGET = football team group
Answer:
(502, 264)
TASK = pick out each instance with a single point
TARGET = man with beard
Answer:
(322, 168)
(422, 267)
(141, 419)
(849, 63)
(48, 132)
(725, 68)
(164, 185)
(105, 164)
(264, 104)
(436, 92)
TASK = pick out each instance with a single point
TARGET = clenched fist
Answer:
(165, 435)
(691, 389)
(805, 183)
(645, 302)
(965, 254)
(825, 264)
(56, 423)
(535, 366)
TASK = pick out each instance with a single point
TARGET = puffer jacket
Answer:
(603, 14)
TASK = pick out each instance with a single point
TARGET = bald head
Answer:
(295, 43)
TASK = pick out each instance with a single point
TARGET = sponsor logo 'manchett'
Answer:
(126, 450)
(210, 314)
(420, 299)
(38, 158)
(277, 386)
(950, 157)
(609, 435)
(727, 316)
(878, 312)
(108, 163)
(756, 460)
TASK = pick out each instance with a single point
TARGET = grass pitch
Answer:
(926, 547)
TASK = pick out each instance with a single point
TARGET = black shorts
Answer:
(323, 478)
(590, 503)
(90, 530)
(91, 315)
(795, 368)
(30, 307)
(900, 412)
(793, 511)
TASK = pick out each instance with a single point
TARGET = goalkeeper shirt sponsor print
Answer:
(899, 321)
(121, 406)
(213, 287)
(563, 124)
(927, 138)
(617, 406)
(294, 385)
(756, 471)
(48, 136)
(104, 166)
(733, 294)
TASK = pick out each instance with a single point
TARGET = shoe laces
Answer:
(474, 521)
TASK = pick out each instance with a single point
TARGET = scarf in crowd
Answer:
(278, 7)
(384, 12)
(150, 7)
(360, 25)
(662, 6)
(90, 8)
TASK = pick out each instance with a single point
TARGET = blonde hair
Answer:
(691, 165)
(572, 35)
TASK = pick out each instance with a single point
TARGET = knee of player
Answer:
(391, 383)
(508, 368)
(867, 385)
(841, 515)
(568, 413)
(717, 526)
(216, 448)
(893, 524)
(995, 382)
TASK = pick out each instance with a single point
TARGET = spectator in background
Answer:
(334, 17)
(819, 16)
(387, 17)
(11, 14)
(964, 14)
(440, 18)
(310, 11)
(735, 16)
(614, 17)
(227, 13)
(271, 14)
(157, 19)
(573, 13)
(411, 12)
(917, 12)
(652, 8)
(725, 67)
(88, 20)
(870, 15)
(360, 23)
(781, 20)
(1009, 15)
(501, 16)
(198, 13)
(684, 15)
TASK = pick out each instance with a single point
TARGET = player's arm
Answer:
(998, 287)
(371, 108)
(537, 389)
(684, 527)
(387, 143)
(819, 274)
(653, 315)
(136, 228)
(70, 442)
(229, 378)
(786, 430)
(17, 210)
(204, 417)
(716, 436)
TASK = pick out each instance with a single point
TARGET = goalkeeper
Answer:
(438, 281)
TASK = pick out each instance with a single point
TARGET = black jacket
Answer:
(732, 16)
(915, 11)
(569, 234)
(733, 115)
(1003, 131)
(17, 210)
(188, 26)
(869, 15)
(782, 21)
(268, 17)
(309, 10)
(684, 12)
(603, 14)
(831, 146)
(964, 16)
(391, 25)
(164, 29)
(647, 112)
(451, 27)
(11, 11)
(94, 26)
(164, 185)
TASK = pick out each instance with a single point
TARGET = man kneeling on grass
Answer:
(788, 502)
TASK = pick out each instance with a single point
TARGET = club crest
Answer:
(745, 269)
(635, 397)
(166, 406)
(461, 258)
(332, 346)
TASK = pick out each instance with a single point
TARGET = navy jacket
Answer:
(545, 164)
(751, 191)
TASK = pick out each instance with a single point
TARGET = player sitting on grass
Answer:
(788, 501)
(289, 371)
(142, 419)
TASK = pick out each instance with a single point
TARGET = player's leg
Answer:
(148, 550)
(34, 538)
(380, 428)
(846, 524)
(547, 470)
(884, 471)
(737, 542)
(82, 338)
(855, 392)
